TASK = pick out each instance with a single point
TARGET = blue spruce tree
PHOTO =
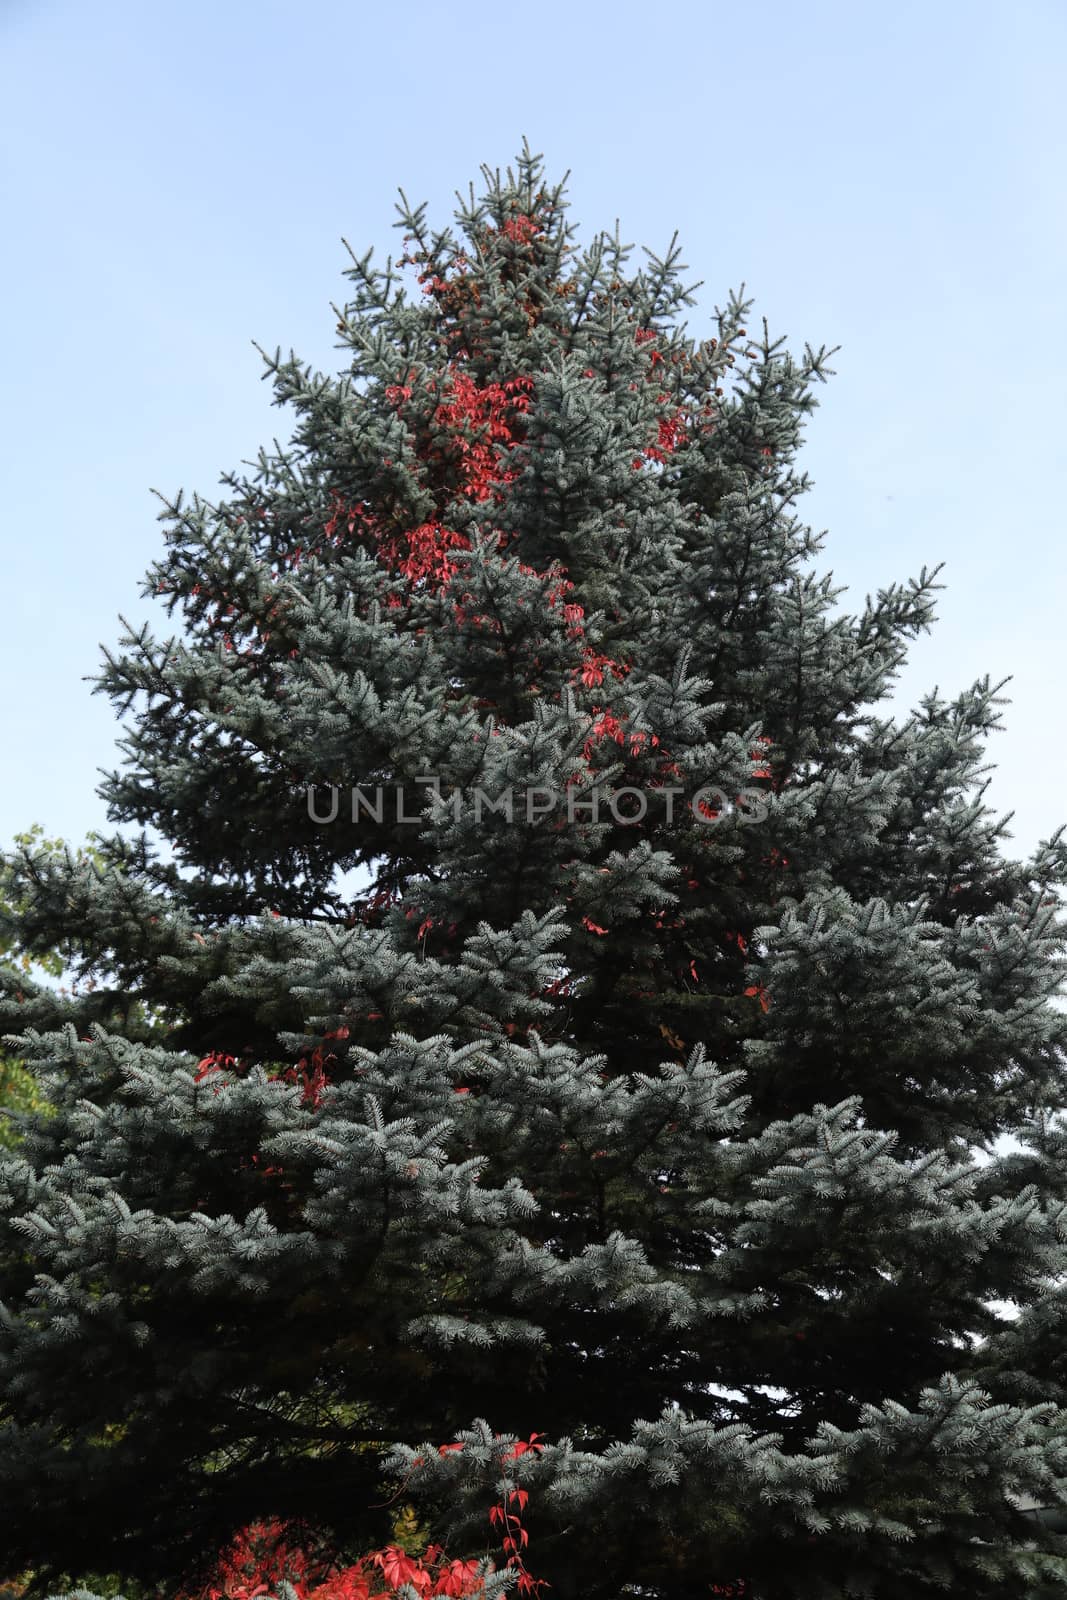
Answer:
(534, 990)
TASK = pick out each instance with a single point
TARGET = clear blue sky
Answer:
(176, 179)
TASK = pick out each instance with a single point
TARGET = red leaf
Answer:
(398, 1568)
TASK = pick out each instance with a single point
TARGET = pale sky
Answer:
(175, 180)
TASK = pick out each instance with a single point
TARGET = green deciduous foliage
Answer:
(19, 1092)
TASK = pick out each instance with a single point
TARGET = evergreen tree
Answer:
(392, 1128)
(19, 1091)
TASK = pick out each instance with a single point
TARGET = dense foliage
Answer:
(668, 1135)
